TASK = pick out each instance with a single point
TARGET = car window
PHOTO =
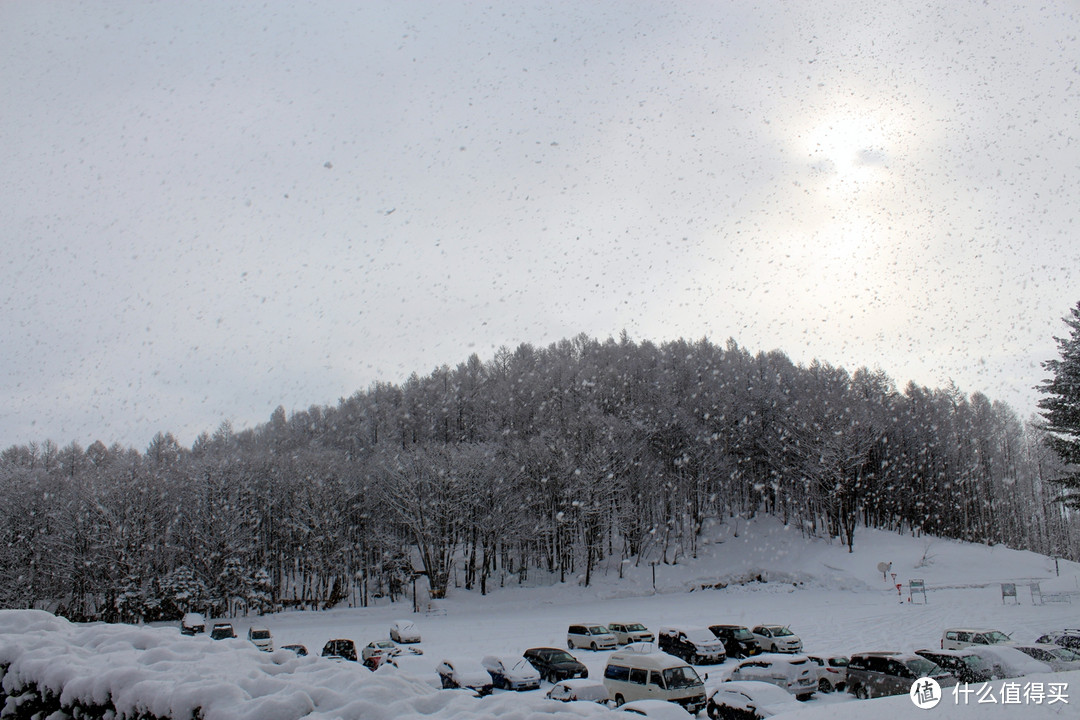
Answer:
(656, 679)
(963, 637)
(921, 667)
(995, 637)
(838, 662)
(638, 676)
(782, 632)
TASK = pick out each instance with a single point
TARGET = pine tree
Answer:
(1061, 407)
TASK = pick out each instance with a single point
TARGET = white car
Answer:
(261, 638)
(630, 632)
(579, 689)
(1007, 662)
(512, 673)
(593, 636)
(777, 638)
(960, 638)
(656, 709)
(404, 631)
(793, 673)
(831, 671)
(1057, 657)
(379, 649)
(464, 673)
(747, 698)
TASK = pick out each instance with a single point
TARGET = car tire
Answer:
(593, 646)
(824, 686)
(619, 700)
(569, 644)
(552, 677)
(862, 693)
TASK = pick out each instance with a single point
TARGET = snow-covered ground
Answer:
(836, 601)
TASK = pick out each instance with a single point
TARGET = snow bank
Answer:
(50, 664)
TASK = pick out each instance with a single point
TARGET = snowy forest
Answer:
(536, 465)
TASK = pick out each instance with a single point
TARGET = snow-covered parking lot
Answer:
(835, 601)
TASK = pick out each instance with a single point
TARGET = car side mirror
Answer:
(706, 676)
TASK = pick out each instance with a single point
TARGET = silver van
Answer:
(633, 675)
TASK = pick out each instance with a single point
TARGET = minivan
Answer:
(631, 675)
(590, 635)
(696, 646)
(877, 674)
(959, 638)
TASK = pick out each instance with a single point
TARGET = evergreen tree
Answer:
(1061, 407)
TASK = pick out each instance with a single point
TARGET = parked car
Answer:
(579, 689)
(404, 631)
(261, 638)
(696, 646)
(554, 664)
(656, 709)
(464, 673)
(590, 635)
(965, 665)
(511, 673)
(192, 623)
(877, 674)
(738, 641)
(1067, 638)
(777, 638)
(222, 631)
(1007, 662)
(831, 671)
(1058, 658)
(749, 700)
(631, 674)
(300, 650)
(957, 638)
(632, 632)
(379, 649)
(794, 673)
(341, 649)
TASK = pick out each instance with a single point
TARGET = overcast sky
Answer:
(210, 209)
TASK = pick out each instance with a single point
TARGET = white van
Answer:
(630, 675)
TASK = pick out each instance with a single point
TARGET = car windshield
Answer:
(521, 666)
(994, 637)
(598, 630)
(781, 632)
(742, 634)
(680, 677)
(976, 663)
(635, 627)
(838, 661)
(561, 656)
(700, 636)
(406, 627)
(260, 634)
(923, 667)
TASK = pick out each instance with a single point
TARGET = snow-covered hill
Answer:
(837, 602)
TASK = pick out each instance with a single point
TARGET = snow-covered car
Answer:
(965, 665)
(464, 673)
(1058, 658)
(380, 649)
(511, 673)
(1007, 662)
(192, 623)
(749, 699)
(656, 709)
(831, 671)
(738, 641)
(630, 632)
(958, 638)
(777, 638)
(878, 674)
(579, 689)
(261, 638)
(222, 631)
(695, 645)
(555, 664)
(593, 636)
(300, 650)
(404, 631)
(340, 649)
(1067, 638)
(793, 673)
